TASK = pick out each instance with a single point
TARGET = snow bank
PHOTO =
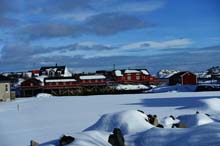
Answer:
(130, 121)
(212, 104)
(206, 135)
(91, 138)
(132, 87)
(195, 119)
(176, 88)
(167, 122)
(40, 95)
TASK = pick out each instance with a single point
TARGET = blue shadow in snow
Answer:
(180, 102)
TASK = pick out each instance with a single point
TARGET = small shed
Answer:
(183, 78)
(5, 88)
(30, 87)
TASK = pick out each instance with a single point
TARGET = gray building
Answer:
(5, 88)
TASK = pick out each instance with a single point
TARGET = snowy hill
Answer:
(175, 88)
(45, 119)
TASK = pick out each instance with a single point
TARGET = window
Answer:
(59, 73)
(6, 87)
(129, 77)
(51, 73)
(138, 77)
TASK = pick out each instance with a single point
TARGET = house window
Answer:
(59, 73)
(138, 77)
(51, 73)
(6, 87)
(31, 84)
(129, 77)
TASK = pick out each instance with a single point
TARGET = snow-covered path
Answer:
(47, 118)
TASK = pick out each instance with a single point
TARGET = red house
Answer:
(135, 76)
(30, 87)
(183, 78)
(87, 80)
(59, 82)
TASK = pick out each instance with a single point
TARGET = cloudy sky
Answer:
(87, 35)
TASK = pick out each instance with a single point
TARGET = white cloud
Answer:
(90, 49)
(146, 6)
(177, 43)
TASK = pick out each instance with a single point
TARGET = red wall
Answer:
(189, 79)
(134, 78)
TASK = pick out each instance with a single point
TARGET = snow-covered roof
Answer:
(41, 78)
(145, 72)
(51, 69)
(131, 87)
(128, 71)
(92, 77)
(67, 73)
(60, 80)
(165, 74)
(118, 73)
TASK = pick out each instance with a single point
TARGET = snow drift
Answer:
(195, 119)
(175, 88)
(130, 121)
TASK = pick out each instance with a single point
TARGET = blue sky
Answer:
(88, 35)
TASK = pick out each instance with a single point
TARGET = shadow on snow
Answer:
(179, 102)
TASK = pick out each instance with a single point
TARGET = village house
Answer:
(30, 87)
(55, 71)
(5, 88)
(164, 75)
(95, 79)
(134, 76)
(183, 78)
(35, 73)
(59, 82)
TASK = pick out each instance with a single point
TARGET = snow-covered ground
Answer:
(90, 119)
(174, 88)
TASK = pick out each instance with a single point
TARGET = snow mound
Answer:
(195, 119)
(167, 122)
(212, 104)
(205, 135)
(130, 121)
(91, 138)
(132, 87)
(176, 88)
(40, 95)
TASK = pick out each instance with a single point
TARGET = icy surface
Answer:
(46, 119)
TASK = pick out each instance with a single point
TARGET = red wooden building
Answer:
(134, 76)
(87, 80)
(183, 78)
(60, 82)
(30, 87)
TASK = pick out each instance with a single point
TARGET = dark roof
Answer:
(56, 78)
(179, 74)
(31, 80)
(4, 79)
(48, 67)
(139, 69)
(59, 68)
